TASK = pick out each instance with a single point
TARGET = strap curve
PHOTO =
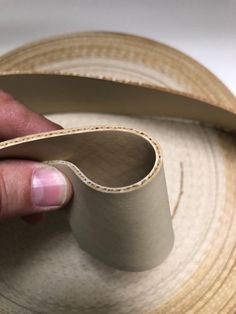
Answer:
(120, 213)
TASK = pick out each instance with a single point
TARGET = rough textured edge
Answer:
(156, 147)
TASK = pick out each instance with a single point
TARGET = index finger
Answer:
(17, 120)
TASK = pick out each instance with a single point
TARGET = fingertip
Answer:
(50, 188)
(28, 188)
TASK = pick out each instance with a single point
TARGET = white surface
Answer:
(204, 29)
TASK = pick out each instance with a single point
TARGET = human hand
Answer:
(28, 188)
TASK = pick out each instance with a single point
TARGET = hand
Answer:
(28, 188)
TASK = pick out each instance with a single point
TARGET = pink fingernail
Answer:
(49, 188)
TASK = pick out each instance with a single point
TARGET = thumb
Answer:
(28, 187)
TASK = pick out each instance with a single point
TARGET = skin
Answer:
(15, 175)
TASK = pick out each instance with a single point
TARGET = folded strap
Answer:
(120, 211)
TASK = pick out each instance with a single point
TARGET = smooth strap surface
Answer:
(120, 212)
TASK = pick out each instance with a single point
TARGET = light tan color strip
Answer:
(120, 213)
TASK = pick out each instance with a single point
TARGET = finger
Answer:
(17, 120)
(28, 187)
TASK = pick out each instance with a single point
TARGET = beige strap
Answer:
(120, 212)
(50, 93)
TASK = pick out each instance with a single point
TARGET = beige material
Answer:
(120, 212)
(198, 275)
(64, 93)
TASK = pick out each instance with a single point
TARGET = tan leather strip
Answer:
(120, 212)
(50, 93)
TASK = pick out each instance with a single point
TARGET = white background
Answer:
(204, 29)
